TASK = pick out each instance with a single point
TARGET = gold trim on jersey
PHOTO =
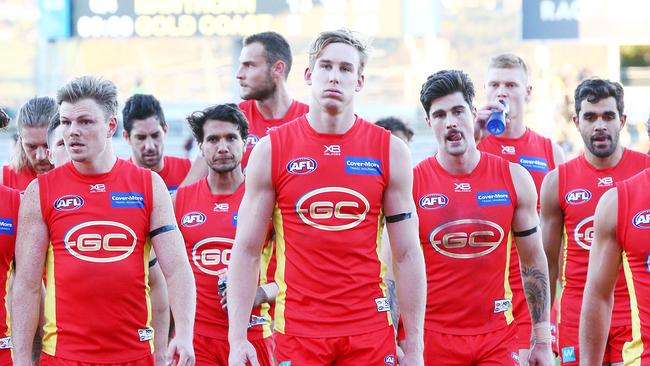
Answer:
(6, 299)
(50, 335)
(633, 349)
(565, 256)
(507, 290)
(147, 289)
(382, 266)
(265, 261)
(280, 301)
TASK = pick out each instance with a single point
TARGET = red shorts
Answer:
(374, 348)
(214, 352)
(47, 360)
(494, 348)
(569, 340)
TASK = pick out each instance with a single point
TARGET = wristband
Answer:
(542, 332)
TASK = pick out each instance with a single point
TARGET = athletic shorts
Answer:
(569, 340)
(47, 360)
(498, 348)
(373, 348)
(5, 357)
(214, 352)
(522, 321)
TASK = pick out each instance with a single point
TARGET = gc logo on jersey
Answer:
(577, 196)
(209, 257)
(68, 203)
(83, 241)
(433, 201)
(466, 238)
(332, 208)
(193, 218)
(301, 166)
(584, 233)
(642, 219)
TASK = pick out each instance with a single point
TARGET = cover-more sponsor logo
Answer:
(302, 166)
(466, 238)
(584, 233)
(127, 200)
(642, 219)
(533, 163)
(577, 196)
(7, 226)
(362, 166)
(100, 241)
(211, 255)
(332, 208)
(433, 201)
(68, 202)
(493, 198)
(194, 218)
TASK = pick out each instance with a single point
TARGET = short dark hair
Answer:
(595, 89)
(141, 106)
(443, 83)
(228, 112)
(55, 122)
(276, 47)
(393, 124)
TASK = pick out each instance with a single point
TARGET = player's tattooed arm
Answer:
(537, 291)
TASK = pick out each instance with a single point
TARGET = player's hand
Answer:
(482, 115)
(541, 355)
(241, 353)
(412, 356)
(180, 352)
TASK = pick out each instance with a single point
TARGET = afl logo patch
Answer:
(642, 219)
(193, 218)
(577, 196)
(302, 166)
(433, 201)
(68, 203)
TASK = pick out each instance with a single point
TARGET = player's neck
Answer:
(333, 122)
(101, 164)
(514, 130)
(606, 162)
(275, 106)
(225, 183)
(459, 164)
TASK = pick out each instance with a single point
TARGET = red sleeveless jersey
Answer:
(17, 179)
(10, 199)
(259, 127)
(580, 187)
(535, 153)
(328, 224)
(97, 306)
(208, 223)
(466, 238)
(632, 232)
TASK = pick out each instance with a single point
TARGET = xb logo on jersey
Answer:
(467, 238)
(584, 233)
(209, 256)
(117, 242)
(332, 208)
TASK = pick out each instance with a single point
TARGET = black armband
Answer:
(162, 229)
(153, 262)
(528, 232)
(398, 217)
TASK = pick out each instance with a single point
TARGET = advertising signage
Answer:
(190, 18)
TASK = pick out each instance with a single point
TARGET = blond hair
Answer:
(345, 36)
(35, 113)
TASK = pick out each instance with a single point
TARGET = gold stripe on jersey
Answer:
(507, 290)
(50, 336)
(280, 300)
(265, 261)
(6, 299)
(147, 289)
(633, 349)
(382, 265)
(565, 257)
